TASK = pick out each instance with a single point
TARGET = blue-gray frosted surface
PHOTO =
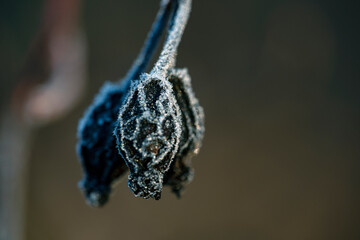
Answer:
(101, 163)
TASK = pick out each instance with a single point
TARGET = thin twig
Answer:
(150, 44)
(167, 57)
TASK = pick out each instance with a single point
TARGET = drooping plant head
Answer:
(150, 121)
(101, 162)
(159, 127)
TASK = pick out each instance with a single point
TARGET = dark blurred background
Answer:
(279, 82)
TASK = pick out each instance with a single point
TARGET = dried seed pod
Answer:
(148, 134)
(96, 147)
(160, 127)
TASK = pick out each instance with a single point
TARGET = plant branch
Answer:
(167, 57)
(150, 44)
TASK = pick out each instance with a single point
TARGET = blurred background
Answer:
(279, 82)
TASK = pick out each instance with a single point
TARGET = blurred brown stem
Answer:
(50, 84)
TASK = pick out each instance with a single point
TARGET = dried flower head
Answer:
(102, 165)
(161, 123)
(158, 129)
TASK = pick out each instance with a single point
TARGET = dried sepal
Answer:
(192, 122)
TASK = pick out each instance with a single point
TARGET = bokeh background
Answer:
(279, 82)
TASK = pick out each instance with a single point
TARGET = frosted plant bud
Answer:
(160, 128)
(102, 164)
(148, 134)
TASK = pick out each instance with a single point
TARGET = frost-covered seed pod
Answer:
(160, 128)
(148, 134)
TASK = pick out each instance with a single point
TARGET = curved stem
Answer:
(150, 44)
(168, 54)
